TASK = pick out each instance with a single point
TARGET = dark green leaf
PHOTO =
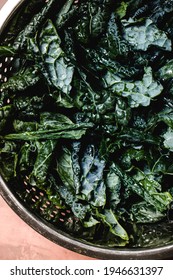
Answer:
(22, 80)
(58, 67)
(6, 51)
(44, 156)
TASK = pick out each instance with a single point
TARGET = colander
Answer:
(34, 207)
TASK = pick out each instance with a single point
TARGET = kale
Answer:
(142, 36)
(29, 31)
(137, 92)
(92, 19)
(6, 51)
(86, 114)
(22, 80)
(21, 18)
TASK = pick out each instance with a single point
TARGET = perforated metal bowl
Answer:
(35, 209)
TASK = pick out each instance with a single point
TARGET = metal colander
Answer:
(34, 207)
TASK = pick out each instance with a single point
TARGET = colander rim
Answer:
(51, 232)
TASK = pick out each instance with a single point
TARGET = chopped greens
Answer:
(86, 113)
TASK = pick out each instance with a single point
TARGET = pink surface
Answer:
(20, 242)
(2, 2)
